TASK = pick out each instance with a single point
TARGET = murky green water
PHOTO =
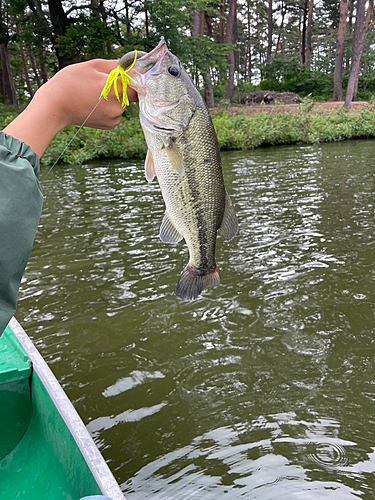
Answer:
(264, 388)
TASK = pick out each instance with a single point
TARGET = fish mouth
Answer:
(146, 61)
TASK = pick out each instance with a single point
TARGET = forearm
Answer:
(36, 126)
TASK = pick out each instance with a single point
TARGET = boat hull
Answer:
(53, 457)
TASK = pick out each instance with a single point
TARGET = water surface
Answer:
(263, 388)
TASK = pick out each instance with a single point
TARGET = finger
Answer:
(104, 65)
(132, 94)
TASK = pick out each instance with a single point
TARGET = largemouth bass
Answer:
(183, 153)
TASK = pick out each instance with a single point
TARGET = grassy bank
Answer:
(304, 125)
(239, 131)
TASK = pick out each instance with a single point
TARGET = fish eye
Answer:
(174, 71)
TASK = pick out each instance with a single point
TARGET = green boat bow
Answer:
(46, 452)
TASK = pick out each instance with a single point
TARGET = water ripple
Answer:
(263, 388)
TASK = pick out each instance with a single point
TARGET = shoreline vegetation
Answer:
(237, 128)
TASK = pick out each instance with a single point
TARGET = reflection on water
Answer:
(264, 387)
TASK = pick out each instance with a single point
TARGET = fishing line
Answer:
(72, 139)
(117, 73)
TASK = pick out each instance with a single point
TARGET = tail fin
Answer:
(191, 284)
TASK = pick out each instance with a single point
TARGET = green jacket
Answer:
(21, 202)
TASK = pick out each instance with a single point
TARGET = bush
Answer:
(234, 132)
(286, 74)
(126, 141)
(303, 126)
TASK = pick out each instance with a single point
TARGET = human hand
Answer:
(74, 92)
(68, 99)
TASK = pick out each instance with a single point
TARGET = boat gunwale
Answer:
(94, 459)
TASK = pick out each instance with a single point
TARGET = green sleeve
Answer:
(21, 201)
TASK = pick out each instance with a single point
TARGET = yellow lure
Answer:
(112, 81)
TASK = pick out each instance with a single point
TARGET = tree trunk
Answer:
(248, 65)
(208, 24)
(36, 7)
(349, 29)
(127, 22)
(43, 72)
(26, 71)
(199, 21)
(309, 36)
(259, 50)
(209, 91)
(338, 91)
(2, 87)
(283, 12)
(96, 9)
(303, 34)
(9, 88)
(147, 23)
(222, 21)
(362, 25)
(208, 88)
(60, 23)
(248, 46)
(232, 66)
(36, 74)
(24, 65)
(7, 82)
(231, 37)
(270, 32)
(198, 25)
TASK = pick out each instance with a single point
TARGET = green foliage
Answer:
(106, 29)
(86, 38)
(203, 54)
(126, 141)
(303, 126)
(7, 115)
(286, 74)
(241, 132)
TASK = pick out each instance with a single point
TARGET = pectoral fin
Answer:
(229, 225)
(174, 156)
(149, 166)
(168, 233)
